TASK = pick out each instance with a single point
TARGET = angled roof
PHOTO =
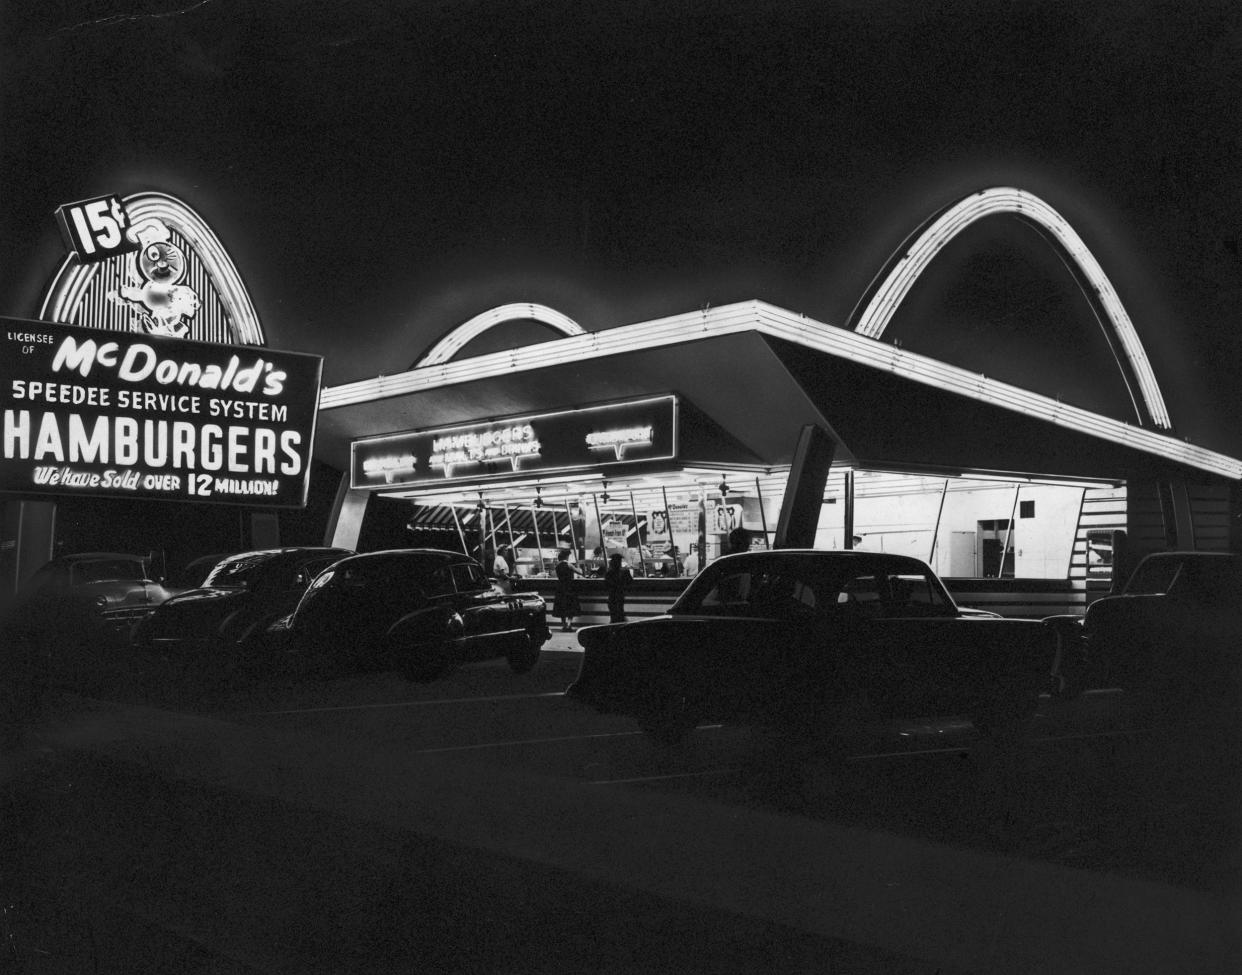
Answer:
(760, 373)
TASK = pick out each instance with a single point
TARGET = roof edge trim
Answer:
(766, 319)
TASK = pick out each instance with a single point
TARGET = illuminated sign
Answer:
(96, 229)
(618, 440)
(118, 414)
(628, 432)
(157, 301)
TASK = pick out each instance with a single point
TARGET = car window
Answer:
(312, 568)
(1154, 577)
(439, 582)
(861, 594)
(107, 570)
(914, 594)
(470, 578)
(729, 596)
(756, 591)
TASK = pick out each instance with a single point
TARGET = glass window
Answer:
(1154, 576)
(730, 595)
(757, 591)
(439, 582)
(862, 594)
(469, 578)
(108, 571)
(914, 594)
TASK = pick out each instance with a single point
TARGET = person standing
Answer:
(616, 580)
(739, 541)
(500, 570)
(691, 566)
(565, 599)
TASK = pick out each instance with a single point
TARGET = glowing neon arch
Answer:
(903, 269)
(79, 290)
(454, 341)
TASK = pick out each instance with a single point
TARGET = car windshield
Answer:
(785, 588)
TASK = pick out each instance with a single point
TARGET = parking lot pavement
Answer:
(562, 640)
(189, 784)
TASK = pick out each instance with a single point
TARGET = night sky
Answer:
(383, 171)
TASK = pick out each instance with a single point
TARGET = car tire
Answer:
(524, 654)
(668, 719)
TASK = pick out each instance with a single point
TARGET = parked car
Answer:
(241, 596)
(89, 596)
(796, 639)
(418, 611)
(1170, 639)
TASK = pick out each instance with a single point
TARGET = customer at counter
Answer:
(565, 603)
(616, 580)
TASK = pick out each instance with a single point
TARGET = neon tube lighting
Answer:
(765, 319)
(73, 279)
(454, 341)
(879, 312)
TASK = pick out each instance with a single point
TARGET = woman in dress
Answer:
(565, 598)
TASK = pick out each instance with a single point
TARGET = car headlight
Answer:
(101, 603)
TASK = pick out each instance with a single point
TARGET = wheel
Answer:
(668, 719)
(524, 654)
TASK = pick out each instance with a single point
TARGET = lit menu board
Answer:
(615, 433)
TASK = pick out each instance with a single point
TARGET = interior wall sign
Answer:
(124, 414)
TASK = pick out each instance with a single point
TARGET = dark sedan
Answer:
(795, 640)
(417, 611)
(1170, 639)
(238, 600)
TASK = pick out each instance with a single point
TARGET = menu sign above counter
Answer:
(567, 440)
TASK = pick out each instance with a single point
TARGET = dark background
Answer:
(383, 171)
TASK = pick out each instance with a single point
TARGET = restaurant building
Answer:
(654, 440)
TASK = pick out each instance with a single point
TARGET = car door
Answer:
(744, 659)
(923, 653)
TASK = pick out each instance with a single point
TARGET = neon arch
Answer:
(903, 269)
(79, 291)
(454, 341)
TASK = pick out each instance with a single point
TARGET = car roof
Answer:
(1178, 554)
(288, 550)
(424, 554)
(829, 555)
(95, 556)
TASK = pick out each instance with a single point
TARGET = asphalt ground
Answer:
(302, 827)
